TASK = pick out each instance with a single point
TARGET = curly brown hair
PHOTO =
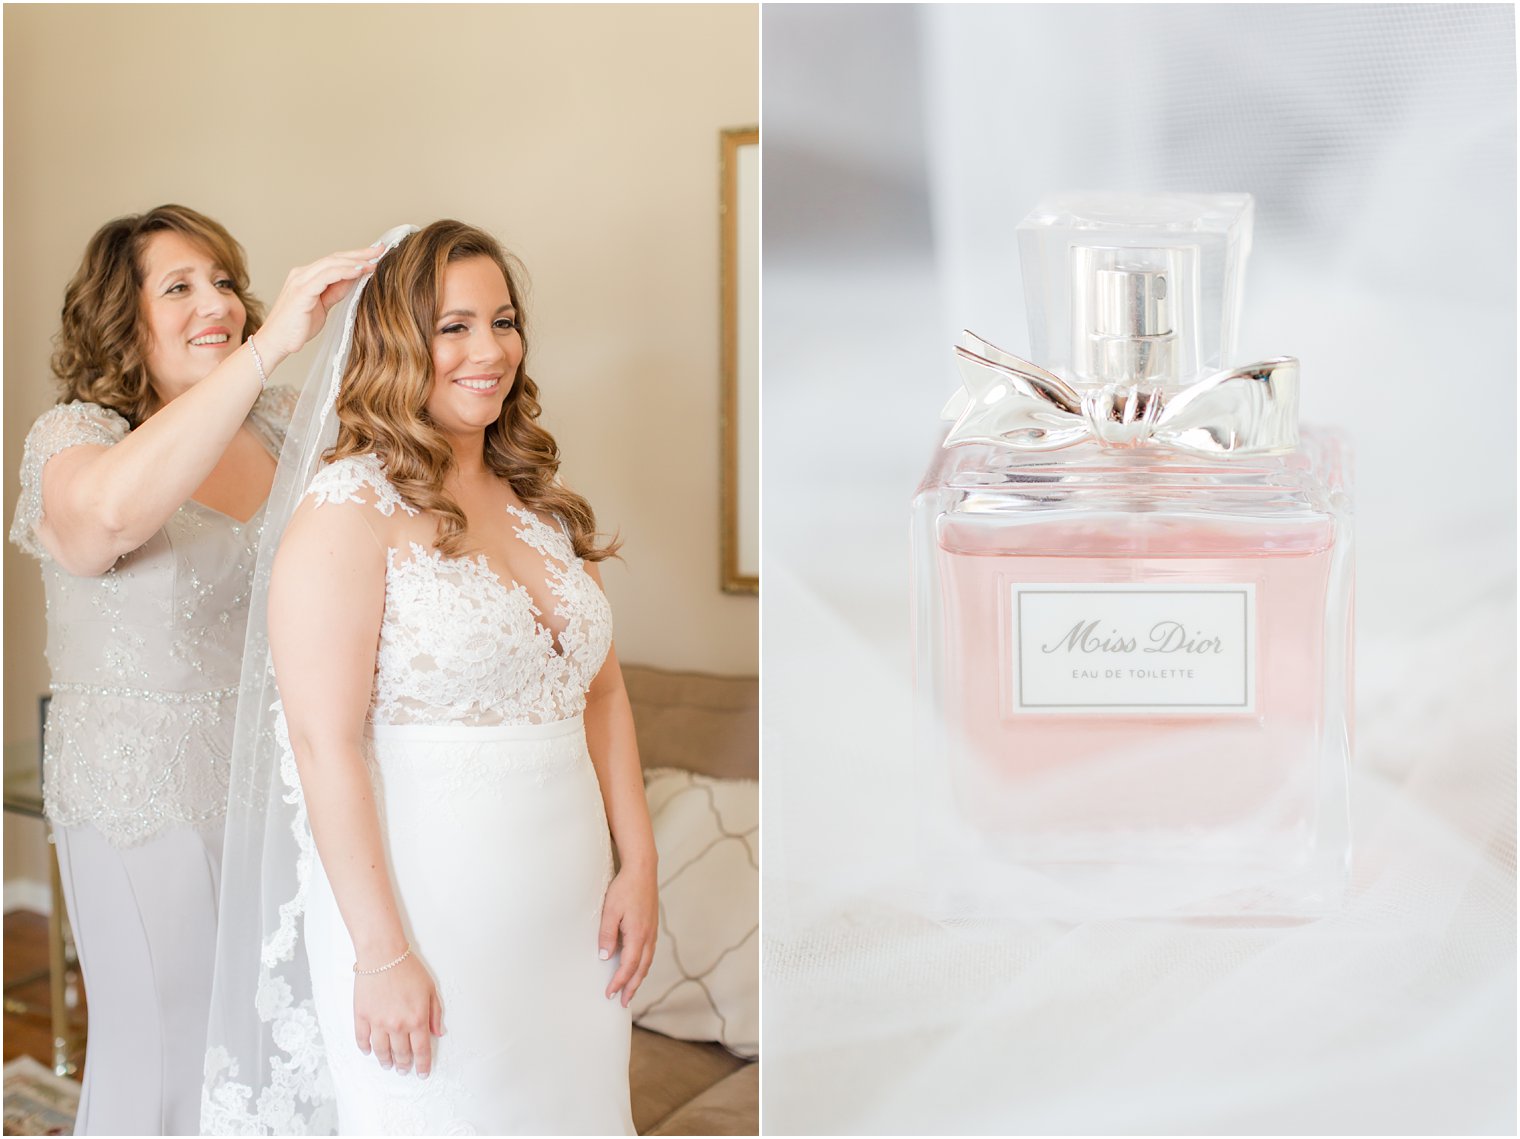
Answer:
(383, 395)
(103, 338)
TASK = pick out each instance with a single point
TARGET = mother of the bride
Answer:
(141, 495)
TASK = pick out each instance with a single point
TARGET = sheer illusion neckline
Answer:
(462, 643)
(507, 583)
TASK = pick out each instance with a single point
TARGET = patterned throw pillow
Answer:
(705, 980)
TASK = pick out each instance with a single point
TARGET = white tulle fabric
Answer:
(266, 1071)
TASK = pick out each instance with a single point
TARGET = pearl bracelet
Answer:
(390, 965)
(258, 362)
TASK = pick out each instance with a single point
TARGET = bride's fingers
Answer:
(620, 978)
(401, 1050)
(361, 1034)
(436, 1020)
(606, 937)
(646, 958)
(381, 1043)
(624, 974)
(422, 1052)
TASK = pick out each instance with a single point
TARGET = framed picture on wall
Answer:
(740, 213)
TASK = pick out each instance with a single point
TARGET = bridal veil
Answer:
(266, 1072)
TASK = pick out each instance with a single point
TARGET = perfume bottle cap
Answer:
(1135, 287)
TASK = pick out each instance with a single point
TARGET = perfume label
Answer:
(1128, 648)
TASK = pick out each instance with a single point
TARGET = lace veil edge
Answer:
(266, 1072)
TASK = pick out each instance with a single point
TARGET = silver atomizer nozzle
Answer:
(1124, 328)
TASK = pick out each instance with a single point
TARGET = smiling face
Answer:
(476, 347)
(192, 312)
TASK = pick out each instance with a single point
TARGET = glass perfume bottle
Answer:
(1133, 589)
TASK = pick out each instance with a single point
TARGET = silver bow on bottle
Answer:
(1251, 410)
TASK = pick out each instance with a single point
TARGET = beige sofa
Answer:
(710, 725)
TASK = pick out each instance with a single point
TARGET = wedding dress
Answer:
(495, 836)
(496, 842)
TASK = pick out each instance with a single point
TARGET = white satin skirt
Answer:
(498, 849)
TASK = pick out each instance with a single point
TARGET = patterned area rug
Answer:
(36, 1101)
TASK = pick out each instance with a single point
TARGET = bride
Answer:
(451, 704)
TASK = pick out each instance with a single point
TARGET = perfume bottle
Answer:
(1133, 589)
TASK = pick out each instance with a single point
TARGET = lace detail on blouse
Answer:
(460, 646)
(145, 657)
(80, 424)
(134, 764)
(270, 416)
(68, 425)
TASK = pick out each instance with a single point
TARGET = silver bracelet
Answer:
(258, 362)
(389, 965)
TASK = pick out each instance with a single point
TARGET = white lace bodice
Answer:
(145, 657)
(458, 645)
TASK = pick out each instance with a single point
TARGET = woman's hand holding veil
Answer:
(102, 502)
(308, 295)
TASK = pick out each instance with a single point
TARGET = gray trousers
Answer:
(144, 921)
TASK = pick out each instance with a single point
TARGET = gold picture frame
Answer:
(740, 271)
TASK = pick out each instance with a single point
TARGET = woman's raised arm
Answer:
(100, 502)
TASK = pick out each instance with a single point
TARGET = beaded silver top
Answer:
(145, 658)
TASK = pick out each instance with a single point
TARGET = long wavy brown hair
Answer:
(382, 399)
(99, 351)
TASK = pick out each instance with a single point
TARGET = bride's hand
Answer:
(308, 294)
(396, 1015)
(630, 909)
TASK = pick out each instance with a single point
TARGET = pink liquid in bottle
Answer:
(1149, 783)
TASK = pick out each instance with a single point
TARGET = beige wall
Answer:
(585, 137)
